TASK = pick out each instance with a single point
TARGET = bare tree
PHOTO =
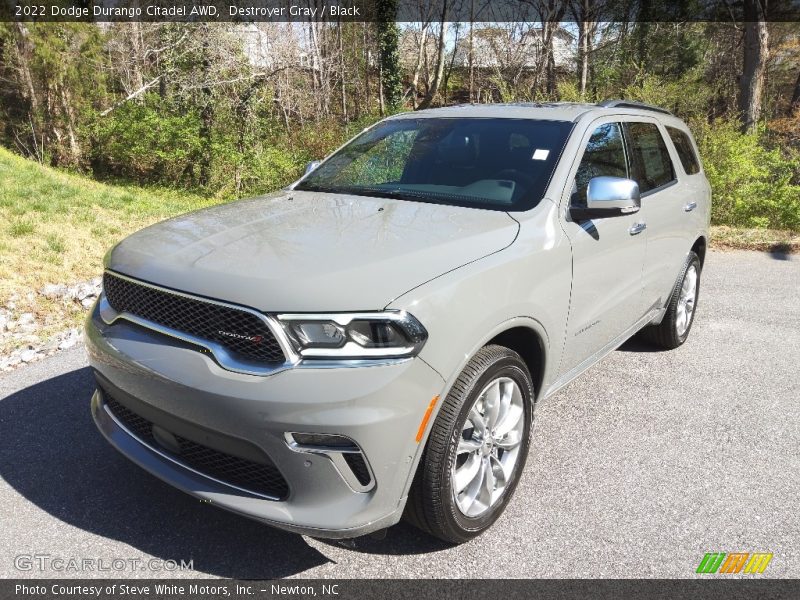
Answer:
(585, 14)
(756, 51)
(549, 14)
(342, 70)
(471, 51)
(440, 61)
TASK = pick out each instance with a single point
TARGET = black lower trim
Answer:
(237, 469)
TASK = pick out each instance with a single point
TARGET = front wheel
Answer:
(476, 450)
(677, 321)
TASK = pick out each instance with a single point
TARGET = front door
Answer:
(607, 254)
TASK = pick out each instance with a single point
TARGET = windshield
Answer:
(499, 164)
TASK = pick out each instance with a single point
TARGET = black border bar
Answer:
(734, 588)
(406, 10)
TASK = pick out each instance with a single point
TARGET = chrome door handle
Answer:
(690, 207)
(637, 228)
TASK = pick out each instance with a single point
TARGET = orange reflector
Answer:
(425, 419)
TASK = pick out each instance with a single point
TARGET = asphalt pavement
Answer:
(637, 469)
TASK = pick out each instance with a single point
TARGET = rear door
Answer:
(607, 254)
(663, 207)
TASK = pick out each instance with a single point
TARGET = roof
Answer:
(546, 111)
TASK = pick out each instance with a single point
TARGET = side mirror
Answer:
(311, 166)
(608, 197)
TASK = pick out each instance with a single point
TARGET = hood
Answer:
(304, 251)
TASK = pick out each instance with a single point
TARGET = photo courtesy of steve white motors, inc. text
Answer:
(197, 10)
(175, 589)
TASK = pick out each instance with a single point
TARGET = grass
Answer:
(766, 240)
(55, 228)
(46, 211)
(20, 228)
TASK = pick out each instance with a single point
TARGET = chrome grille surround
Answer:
(225, 350)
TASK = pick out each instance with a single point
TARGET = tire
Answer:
(673, 329)
(432, 504)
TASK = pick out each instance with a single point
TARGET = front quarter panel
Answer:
(526, 284)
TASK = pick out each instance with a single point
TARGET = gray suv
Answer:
(370, 342)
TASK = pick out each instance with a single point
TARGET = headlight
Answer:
(390, 334)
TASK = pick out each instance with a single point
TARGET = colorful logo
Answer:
(734, 562)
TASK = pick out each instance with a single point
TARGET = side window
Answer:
(604, 156)
(650, 160)
(685, 150)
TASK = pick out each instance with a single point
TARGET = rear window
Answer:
(685, 150)
(652, 166)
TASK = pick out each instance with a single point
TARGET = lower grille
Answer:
(246, 474)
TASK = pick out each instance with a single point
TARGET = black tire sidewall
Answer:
(508, 366)
(692, 260)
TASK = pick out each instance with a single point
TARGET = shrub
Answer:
(752, 185)
(146, 142)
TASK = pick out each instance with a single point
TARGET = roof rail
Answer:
(632, 104)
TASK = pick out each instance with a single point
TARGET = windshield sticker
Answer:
(540, 154)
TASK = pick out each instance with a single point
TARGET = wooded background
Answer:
(237, 109)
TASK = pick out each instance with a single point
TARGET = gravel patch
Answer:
(26, 329)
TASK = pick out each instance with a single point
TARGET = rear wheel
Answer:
(476, 450)
(677, 322)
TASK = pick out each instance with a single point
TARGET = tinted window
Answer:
(685, 150)
(650, 160)
(500, 164)
(604, 156)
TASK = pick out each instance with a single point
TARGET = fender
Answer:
(514, 322)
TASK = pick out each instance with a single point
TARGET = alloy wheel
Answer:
(686, 301)
(488, 447)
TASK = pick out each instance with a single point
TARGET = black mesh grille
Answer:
(358, 465)
(246, 474)
(247, 335)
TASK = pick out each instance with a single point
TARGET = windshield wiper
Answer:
(358, 191)
(426, 196)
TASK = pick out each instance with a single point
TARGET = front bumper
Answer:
(380, 408)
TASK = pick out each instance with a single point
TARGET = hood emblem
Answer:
(256, 339)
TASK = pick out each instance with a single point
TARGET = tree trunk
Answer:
(391, 75)
(24, 51)
(343, 72)
(439, 73)
(794, 105)
(550, 13)
(206, 114)
(551, 70)
(70, 122)
(367, 66)
(582, 11)
(137, 78)
(381, 103)
(471, 50)
(449, 69)
(756, 49)
(418, 66)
